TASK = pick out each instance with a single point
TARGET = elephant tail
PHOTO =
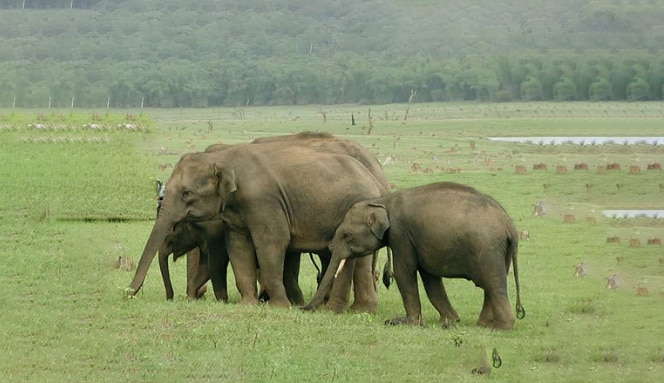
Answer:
(388, 272)
(319, 276)
(512, 250)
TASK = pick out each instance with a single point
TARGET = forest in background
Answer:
(201, 53)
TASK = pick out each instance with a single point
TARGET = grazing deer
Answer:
(581, 166)
(124, 263)
(524, 235)
(634, 169)
(569, 218)
(561, 169)
(613, 166)
(415, 168)
(520, 169)
(655, 166)
(642, 291)
(612, 282)
(634, 242)
(614, 239)
(580, 270)
(539, 209)
(540, 166)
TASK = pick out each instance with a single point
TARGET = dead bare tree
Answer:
(370, 123)
(413, 92)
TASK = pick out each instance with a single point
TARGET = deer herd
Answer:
(581, 269)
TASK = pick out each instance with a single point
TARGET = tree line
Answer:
(186, 53)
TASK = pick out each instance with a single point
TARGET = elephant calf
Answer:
(439, 230)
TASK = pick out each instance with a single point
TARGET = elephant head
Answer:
(197, 191)
(361, 233)
(184, 239)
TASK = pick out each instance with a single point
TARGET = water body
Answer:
(553, 140)
(633, 213)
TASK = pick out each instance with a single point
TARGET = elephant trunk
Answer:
(333, 269)
(165, 273)
(161, 228)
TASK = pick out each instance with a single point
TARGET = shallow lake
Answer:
(633, 213)
(553, 140)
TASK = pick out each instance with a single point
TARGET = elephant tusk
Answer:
(341, 266)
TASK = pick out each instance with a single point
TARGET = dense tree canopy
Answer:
(198, 53)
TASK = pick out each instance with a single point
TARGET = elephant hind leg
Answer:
(291, 278)
(496, 312)
(437, 295)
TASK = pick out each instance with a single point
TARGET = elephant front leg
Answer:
(243, 262)
(405, 274)
(271, 263)
(291, 278)
(364, 287)
(438, 297)
(197, 274)
(218, 268)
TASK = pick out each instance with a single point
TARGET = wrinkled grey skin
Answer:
(273, 198)
(439, 230)
(197, 268)
(197, 240)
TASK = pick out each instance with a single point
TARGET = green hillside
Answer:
(199, 53)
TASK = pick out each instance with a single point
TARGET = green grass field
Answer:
(73, 200)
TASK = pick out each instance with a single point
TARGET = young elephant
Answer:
(441, 230)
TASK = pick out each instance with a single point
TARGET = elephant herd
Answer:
(259, 206)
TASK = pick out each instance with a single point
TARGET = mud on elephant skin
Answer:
(441, 230)
(273, 198)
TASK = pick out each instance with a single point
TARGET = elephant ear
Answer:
(377, 220)
(226, 184)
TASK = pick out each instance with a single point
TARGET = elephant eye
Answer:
(186, 194)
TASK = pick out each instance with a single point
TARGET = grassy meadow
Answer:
(72, 200)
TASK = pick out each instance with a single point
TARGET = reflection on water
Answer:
(633, 213)
(632, 140)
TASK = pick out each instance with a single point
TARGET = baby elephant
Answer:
(439, 230)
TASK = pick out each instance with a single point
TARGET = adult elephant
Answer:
(273, 198)
(198, 275)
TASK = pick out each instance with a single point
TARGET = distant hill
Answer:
(184, 53)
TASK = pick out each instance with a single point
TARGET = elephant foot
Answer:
(249, 301)
(405, 320)
(279, 303)
(364, 307)
(200, 292)
(497, 325)
(335, 307)
(449, 323)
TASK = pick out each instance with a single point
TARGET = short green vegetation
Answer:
(74, 199)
